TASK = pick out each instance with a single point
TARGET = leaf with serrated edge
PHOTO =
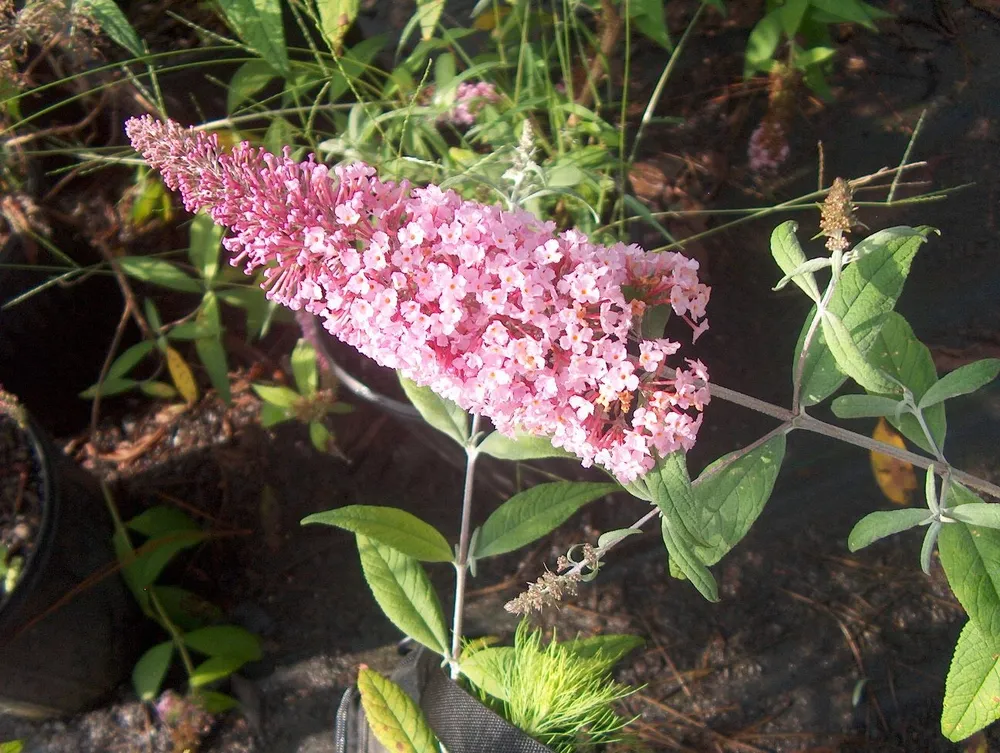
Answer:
(405, 594)
(681, 555)
(533, 513)
(731, 500)
(972, 689)
(849, 357)
(486, 667)
(669, 488)
(866, 292)
(902, 356)
(442, 414)
(390, 526)
(962, 381)
(878, 525)
(971, 559)
(394, 718)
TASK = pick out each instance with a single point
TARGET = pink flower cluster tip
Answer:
(470, 98)
(491, 309)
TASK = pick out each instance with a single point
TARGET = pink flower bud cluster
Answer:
(768, 148)
(469, 101)
(489, 308)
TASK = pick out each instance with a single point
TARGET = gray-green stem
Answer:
(462, 561)
(808, 423)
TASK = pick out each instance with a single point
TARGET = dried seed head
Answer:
(837, 215)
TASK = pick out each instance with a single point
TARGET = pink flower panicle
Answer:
(768, 148)
(491, 309)
(470, 98)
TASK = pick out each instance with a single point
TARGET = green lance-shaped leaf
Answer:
(971, 559)
(185, 609)
(972, 689)
(428, 14)
(11, 746)
(849, 357)
(866, 293)
(404, 592)
(442, 414)
(732, 499)
(927, 547)
(762, 43)
(394, 718)
(210, 351)
(335, 18)
(159, 272)
(113, 22)
(612, 537)
(902, 356)
(149, 671)
(150, 558)
(225, 640)
(864, 406)
(250, 78)
(878, 525)
(962, 381)
(788, 253)
(161, 521)
(533, 513)
(390, 526)
(204, 246)
(259, 24)
(487, 668)
(213, 669)
(277, 395)
(305, 368)
(977, 514)
(521, 447)
(128, 360)
(608, 648)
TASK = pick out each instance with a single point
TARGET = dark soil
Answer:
(811, 649)
(21, 490)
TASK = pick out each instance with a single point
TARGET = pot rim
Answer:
(36, 561)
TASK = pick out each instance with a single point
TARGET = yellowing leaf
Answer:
(895, 477)
(180, 374)
(488, 20)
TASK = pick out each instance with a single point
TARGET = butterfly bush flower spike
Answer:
(491, 309)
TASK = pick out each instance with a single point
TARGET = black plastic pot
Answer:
(68, 629)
